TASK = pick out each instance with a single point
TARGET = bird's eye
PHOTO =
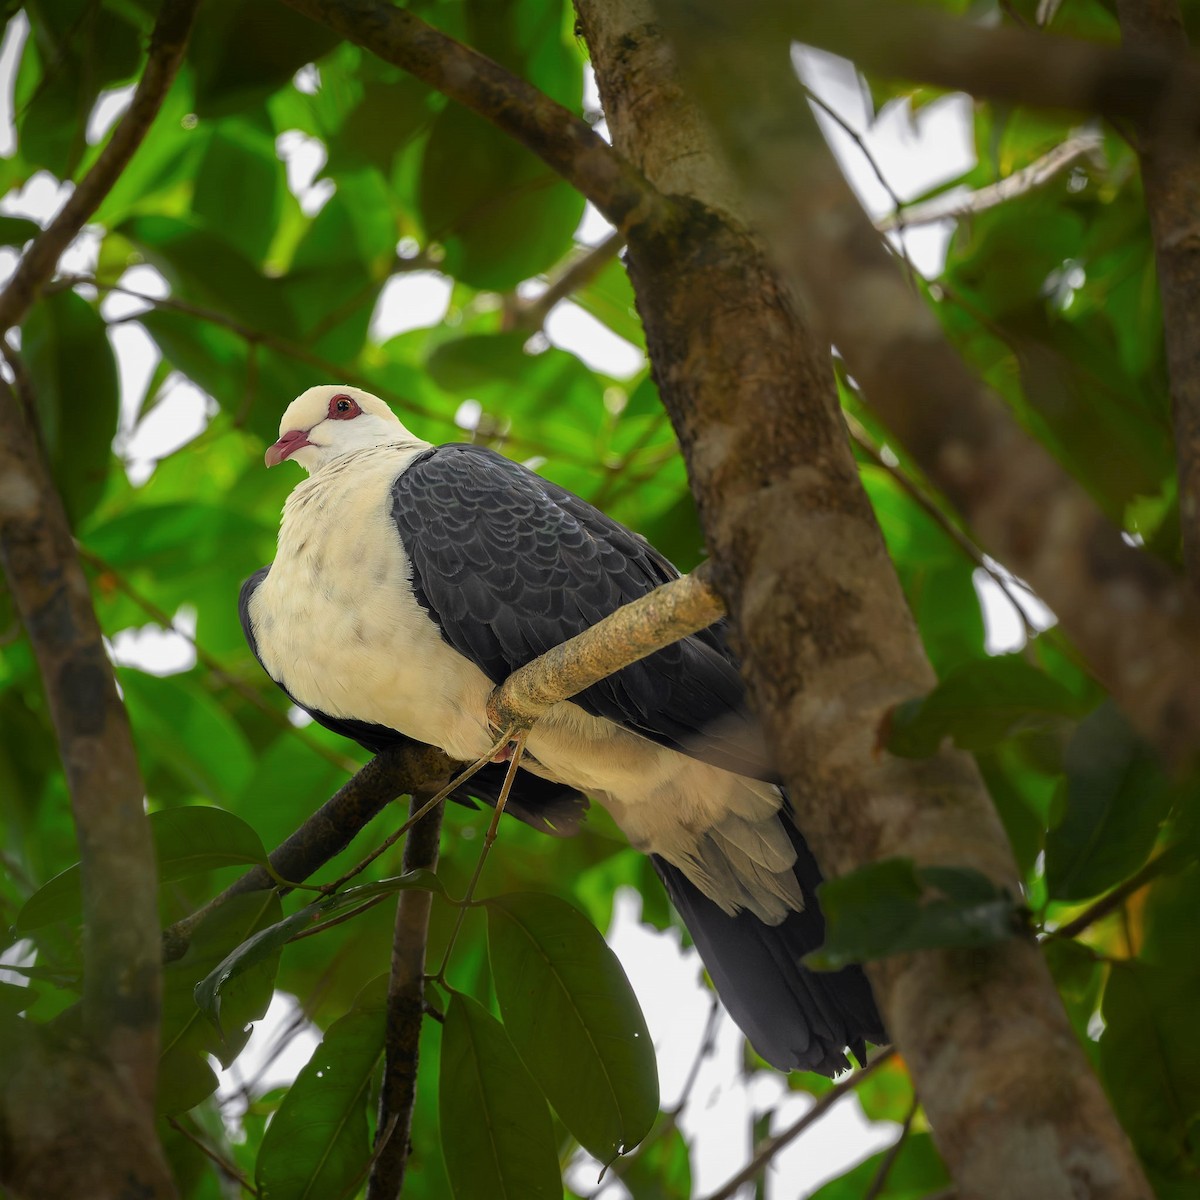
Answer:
(343, 407)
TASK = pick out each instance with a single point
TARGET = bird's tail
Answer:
(797, 1019)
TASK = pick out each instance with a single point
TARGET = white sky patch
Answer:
(109, 108)
(10, 55)
(569, 327)
(467, 415)
(156, 650)
(302, 157)
(298, 717)
(22, 953)
(137, 358)
(593, 226)
(308, 79)
(39, 200)
(1004, 630)
(144, 279)
(412, 300)
(180, 416)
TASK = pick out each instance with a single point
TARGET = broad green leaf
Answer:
(979, 705)
(500, 213)
(1150, 1061)
(266, 943)
(184, 734)
(240, 185)
(1078, 975)
(187, 841)
(187, 1037)
(74, 376)
(1116, 799)
(886, 909)
(661, 1170)
(916, 1173)
(316, 1145)
(497, 1138)
(574, 1019)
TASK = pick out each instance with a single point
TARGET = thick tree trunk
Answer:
(829, 647)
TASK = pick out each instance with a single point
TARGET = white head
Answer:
(331, 420)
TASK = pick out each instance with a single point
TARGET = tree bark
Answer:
(828, 646)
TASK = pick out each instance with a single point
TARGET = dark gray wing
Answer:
(509, 565)
(549, 807)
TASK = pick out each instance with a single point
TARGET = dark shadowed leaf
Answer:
(1116, 798)
(188, 1039)
(74, 377)
(978, 705)
(887, 908)
(497, 1138)
(187, 841)
(316, 1145)
(574, 1019)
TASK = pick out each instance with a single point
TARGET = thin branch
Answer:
(879, 1182)
(530, 315)
(1136, 626)
(1170, 860)
(663, 616)
(161, 617)
(223, 1164)
(328, 831)
(122, 976)
(405, 1008)
(1037, 174)
(167, 45)
(564, 141)
(1171, 181)
(771, 1146)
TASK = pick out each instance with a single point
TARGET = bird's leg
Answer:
(518, 748)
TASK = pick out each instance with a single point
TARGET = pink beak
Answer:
(287, 445)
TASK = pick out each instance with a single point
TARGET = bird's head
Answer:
(331, 420)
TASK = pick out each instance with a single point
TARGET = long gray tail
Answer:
(797, 1019)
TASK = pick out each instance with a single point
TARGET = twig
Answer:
(1037, 174)
(889, 1159)
(488, 841)
(531, 314)
(1171, 859)
(405, 1009)
(561, 139)
(167, 45)
(773, 1145)
(161, 617)
(122, 974)
(663, 616)
(222, 1163)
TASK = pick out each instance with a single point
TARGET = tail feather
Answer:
(795, 1018)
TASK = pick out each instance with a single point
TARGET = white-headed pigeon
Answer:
(411, 579)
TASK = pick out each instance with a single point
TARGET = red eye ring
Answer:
(343, 407)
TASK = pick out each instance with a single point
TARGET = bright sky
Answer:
(914, 154)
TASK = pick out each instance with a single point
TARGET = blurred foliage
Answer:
(1050, 296)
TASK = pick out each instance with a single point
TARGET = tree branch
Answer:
(1016, 66)
(565, 142)
(121, 964)
(663, 616)
(1137, 628)
(405, 1007)
(771, 1146)
(531, 314)
(1171, 181)
(329, 830)
(167, 45)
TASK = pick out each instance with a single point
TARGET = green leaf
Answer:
(916, 1173)
(240, 185)
(497, 1138)
(187, 841)
(187, 1038)
(1116, 799)
(884, 909)
(316, 1145)
(574, 1019)
(16, 231)
(979, 705)
(662, 1170)
(500, 213)
(267, 942)
(1150, 1062)
(74, 376)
